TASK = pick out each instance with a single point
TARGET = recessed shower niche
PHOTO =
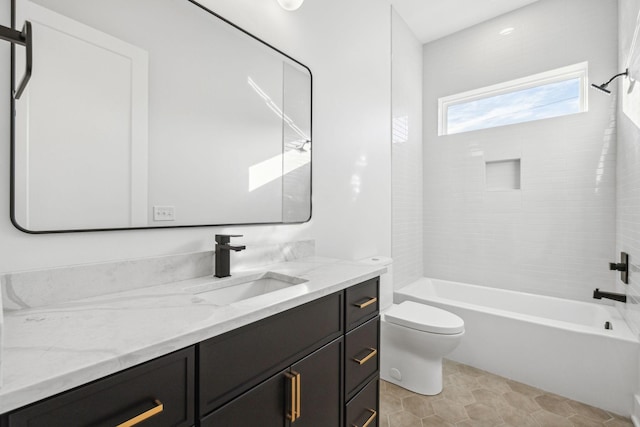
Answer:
(502, 175)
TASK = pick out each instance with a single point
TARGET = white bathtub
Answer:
(557, 345)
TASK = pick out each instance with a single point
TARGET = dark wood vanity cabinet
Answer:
(362, 357)
(307, 394)
(158, 393)
(315, 365)
(282, 368)
(232, 363)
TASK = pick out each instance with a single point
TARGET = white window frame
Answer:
(569, 72)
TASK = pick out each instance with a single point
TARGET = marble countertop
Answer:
(50, 349)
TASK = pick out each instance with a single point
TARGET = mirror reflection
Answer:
(156, 113)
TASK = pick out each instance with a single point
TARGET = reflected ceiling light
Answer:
(603, 86)
(506, 31)
(290, 4)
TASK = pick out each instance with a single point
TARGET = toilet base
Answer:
(419, 376)
(412, 359)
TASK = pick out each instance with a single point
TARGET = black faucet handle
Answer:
(622, 267)
(618, 266)
(225, 238)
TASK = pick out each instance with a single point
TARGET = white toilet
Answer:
(414, 338)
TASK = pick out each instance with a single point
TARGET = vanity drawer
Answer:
(162, 389)
(362, 359)
(362, 410)
(361, 302)
(234, 362)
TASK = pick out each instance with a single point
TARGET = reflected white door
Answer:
(104, 82)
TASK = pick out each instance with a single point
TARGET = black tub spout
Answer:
(609, 295)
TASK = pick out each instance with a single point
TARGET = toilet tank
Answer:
(386, 279)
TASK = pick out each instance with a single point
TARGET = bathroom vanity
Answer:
(306, 355)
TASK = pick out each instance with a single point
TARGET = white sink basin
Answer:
(234, 289)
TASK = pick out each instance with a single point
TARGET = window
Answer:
(550, 94)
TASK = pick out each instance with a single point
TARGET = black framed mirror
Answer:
(155, 113)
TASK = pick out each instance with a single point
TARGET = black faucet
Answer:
(609, 295)
(223, 264)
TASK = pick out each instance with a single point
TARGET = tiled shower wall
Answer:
(554, 235)
(406, 152)
(628, 167)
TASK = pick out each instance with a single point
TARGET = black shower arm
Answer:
(22, 38)
(626, 73)
(12, 36)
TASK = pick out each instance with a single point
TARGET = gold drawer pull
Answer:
(292, 390)
(364, 360)
(366, 303)
(373, 416)
(298, 388)
(144, 416)
(294, 377)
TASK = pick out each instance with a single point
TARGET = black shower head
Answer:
(603, 86)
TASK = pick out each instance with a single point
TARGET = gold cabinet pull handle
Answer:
(295, 396)
(373, 416)
(372, 352)
(298, 392)
(144, 416)
(366, 303)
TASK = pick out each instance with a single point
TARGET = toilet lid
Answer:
(424, 318)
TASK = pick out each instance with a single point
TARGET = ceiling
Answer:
(432, 19)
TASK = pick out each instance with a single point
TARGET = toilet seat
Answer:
(424, 318)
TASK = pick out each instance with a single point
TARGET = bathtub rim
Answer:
(625, 333)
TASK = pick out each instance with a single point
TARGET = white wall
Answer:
(555, 236)
(628, 159)
(346, 45)
(406, 152)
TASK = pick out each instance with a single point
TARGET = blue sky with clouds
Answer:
(541, 102)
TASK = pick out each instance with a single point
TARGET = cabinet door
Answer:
(270, 403)
(320, 387)
(263, 405)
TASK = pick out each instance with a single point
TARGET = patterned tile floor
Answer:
(475, 398)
